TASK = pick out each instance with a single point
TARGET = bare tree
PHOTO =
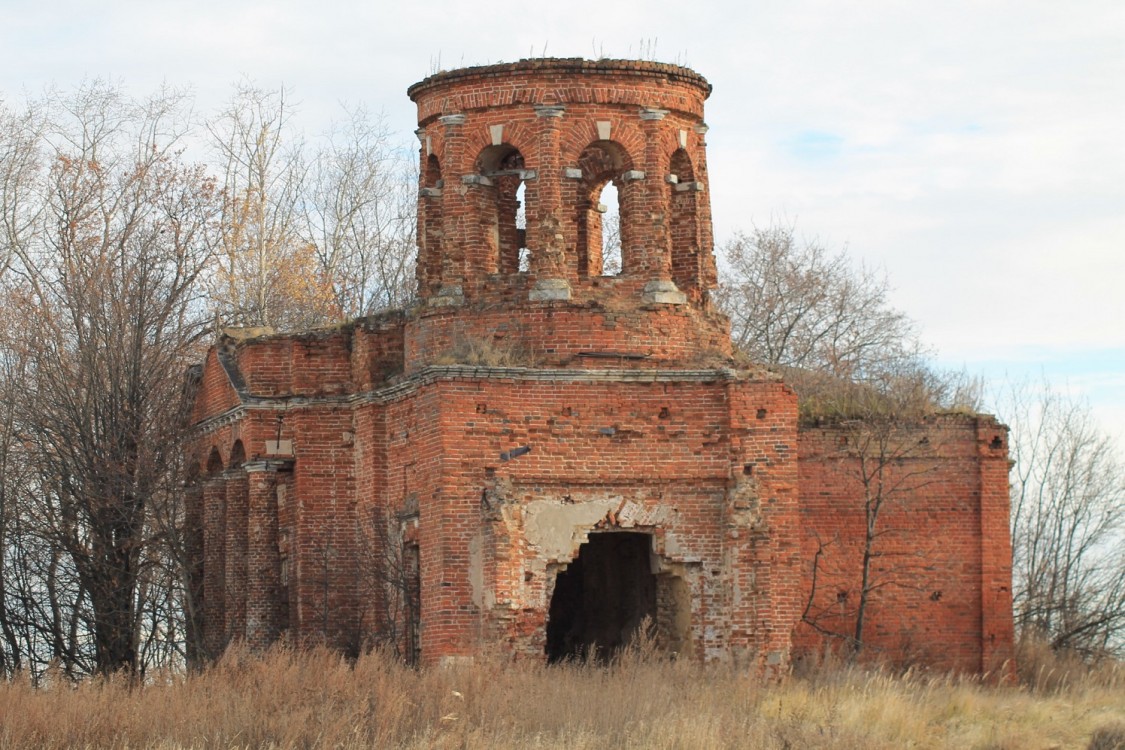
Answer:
(362, 216)
(828, 325)
(310, 236)
(13, 480)
(110, 243)
(1068, 524)
(269, 274)
(19, 165)
(797, 305)
(110, 271)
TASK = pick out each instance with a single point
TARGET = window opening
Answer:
(602, 210)
(684, 223)
(524, 262)
(609, 205)
(502, 197)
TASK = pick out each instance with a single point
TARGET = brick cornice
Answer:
(436, 373)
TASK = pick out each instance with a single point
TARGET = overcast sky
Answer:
(975, 150)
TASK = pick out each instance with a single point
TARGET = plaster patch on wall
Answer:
(674, 550)
(482, 598)
(551, 525)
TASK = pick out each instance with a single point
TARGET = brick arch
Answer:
(237, 455)
(436, 138)
(581, 133)
(498, 206)
(602, 162)
(669, 143)
(682, 165)
(604, 159)
(214, 465)
(494, 157)
(478, 137)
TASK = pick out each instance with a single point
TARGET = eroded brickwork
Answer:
(426, 478)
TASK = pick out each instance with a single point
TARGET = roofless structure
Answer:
(556, 445)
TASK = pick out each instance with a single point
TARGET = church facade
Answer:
(554, 447)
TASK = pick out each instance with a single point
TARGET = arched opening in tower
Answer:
(609, 206)
(602, 210)
(503, 196)
(605, 595)
(684, 224)
(524, 261)
(431, 258)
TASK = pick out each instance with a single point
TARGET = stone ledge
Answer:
(663, 292)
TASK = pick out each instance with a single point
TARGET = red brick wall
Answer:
(215, 393)
(660, 448)
(746, 504)
(941, 575)
(551, 112)
(567, 333)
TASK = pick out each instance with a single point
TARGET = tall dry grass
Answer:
(316, 699)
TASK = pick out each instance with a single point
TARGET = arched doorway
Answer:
(606, 593)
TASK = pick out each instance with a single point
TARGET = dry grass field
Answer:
(315, 699)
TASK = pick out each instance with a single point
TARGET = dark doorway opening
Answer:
(602, 598)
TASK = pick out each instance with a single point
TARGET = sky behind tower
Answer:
(973, 150)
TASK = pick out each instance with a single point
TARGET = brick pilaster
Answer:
(234, 570)
(214, 564)
(263, 591)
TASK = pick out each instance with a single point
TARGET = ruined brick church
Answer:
(546, 452)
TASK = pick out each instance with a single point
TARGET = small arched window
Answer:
(214, 462)
(430, 236)
(524, 263)
(684, 225)
(603, 217)
(609, 206)
(503, 214)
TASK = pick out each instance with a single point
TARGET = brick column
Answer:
(546, 239)
(762, 544)
(708, 270)
(459, 215)
(997, 628)
(214, 564)
(263, 587)
(234, 597)
(656, 260)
